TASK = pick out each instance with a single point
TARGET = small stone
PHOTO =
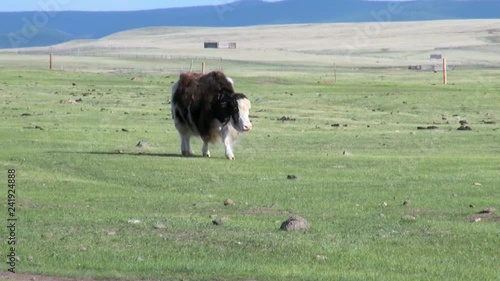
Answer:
(408, 218)
(291, 177)
(346, 153)
(229, 202)
(472, 206)
(384, 204)
(489, 122)
(159, 226)
(464, 128)
(487, 211)
(218, 222)
(286, 118)
(142, 144)
(124, 130)
(476, 219)
(295, 222)
(406, 202)
(321, 258)
(134, 221)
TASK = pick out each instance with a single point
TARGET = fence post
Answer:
(203, 67)
(50, 61)
(334, 73)
(191, 66)
(445, 74)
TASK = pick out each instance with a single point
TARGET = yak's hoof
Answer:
(187, 153)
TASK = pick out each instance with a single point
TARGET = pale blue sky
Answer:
(101, 5)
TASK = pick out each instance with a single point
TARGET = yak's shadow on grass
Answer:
(123, 153)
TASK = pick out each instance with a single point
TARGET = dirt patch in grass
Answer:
(469, 217)
(486, 215)
(426, 212)
(264, 211)
(494, 218)
(184, 236)
(36, 277)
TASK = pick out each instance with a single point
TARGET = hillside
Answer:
(395, 45)
(18, 29)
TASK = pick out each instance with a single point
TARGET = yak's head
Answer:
(234, 107)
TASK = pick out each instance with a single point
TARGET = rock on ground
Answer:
(229, 202)
(295, 222)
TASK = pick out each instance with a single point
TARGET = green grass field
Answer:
(80, 179)
(91, 205)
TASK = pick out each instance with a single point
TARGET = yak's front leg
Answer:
(228, 146)
(229, 152)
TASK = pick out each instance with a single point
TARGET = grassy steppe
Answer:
(80, 178)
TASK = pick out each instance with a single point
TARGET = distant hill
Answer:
(28, 29)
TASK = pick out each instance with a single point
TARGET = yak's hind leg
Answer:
(185, 136)
(186, 145)
(205, 151)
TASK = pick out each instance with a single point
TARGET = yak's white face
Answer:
(244, 123)
(244, 106)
